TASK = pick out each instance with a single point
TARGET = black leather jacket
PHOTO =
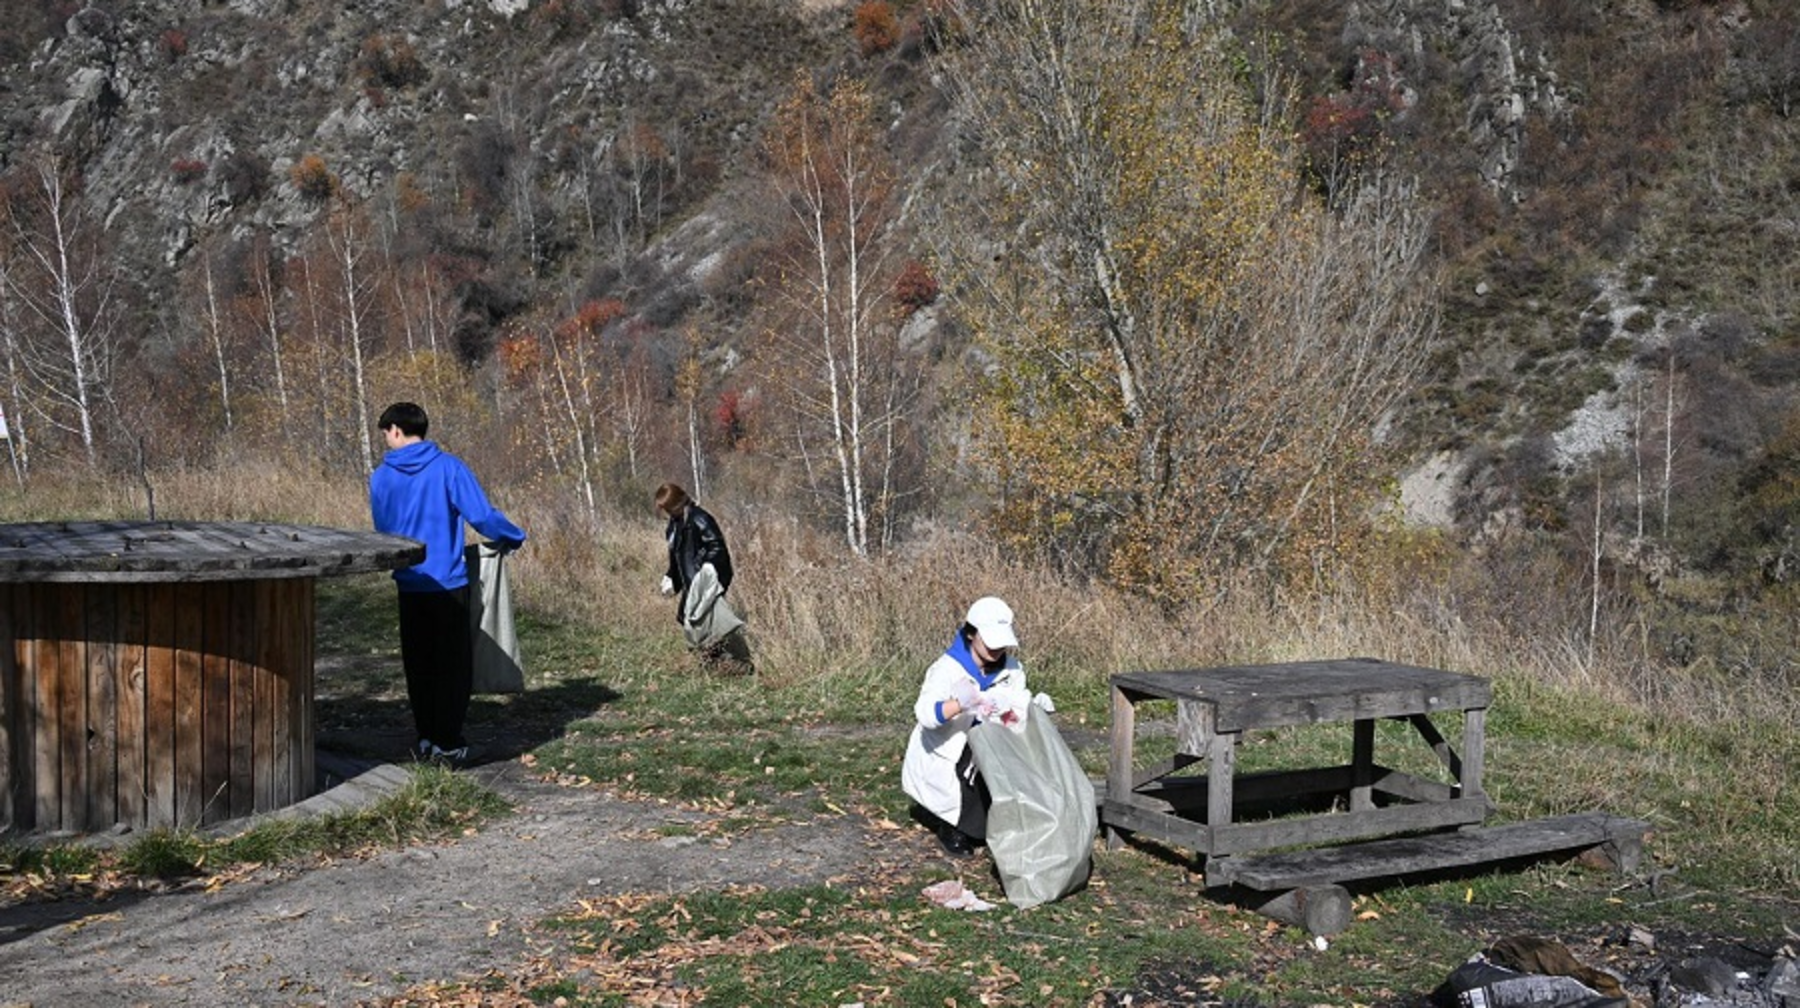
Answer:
(694, 541)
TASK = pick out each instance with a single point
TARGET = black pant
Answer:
(437, 649)
(972, 821)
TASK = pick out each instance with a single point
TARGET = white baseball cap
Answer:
(993, 620)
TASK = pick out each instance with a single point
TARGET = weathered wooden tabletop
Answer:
(1312, 692)
(193, 551)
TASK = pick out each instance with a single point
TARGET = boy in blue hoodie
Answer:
(422, 492)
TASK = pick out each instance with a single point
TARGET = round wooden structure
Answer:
(160, 674)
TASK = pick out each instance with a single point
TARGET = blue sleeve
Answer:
(467, 496)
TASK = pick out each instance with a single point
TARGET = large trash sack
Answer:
(706, 618)
(497, 667)
(1042, 823)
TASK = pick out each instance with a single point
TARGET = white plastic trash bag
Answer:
(497, 666)
(706, 618)
(1042, 823)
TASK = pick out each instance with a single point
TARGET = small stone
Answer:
(1706, 975)
(1783, 979)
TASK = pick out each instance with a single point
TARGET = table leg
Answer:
(1474, 751)
(1221, 771)
(1118, 770)
(1221, 753)
(1362, 766)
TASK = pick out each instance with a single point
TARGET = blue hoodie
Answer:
(422, 492)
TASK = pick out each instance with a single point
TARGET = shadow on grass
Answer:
(367, 723)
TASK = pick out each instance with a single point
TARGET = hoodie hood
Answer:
(959, 650)
(412, 458)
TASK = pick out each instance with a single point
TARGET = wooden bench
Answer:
(1305, 887)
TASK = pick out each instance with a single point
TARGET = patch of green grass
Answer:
(436, 803)
(1712, 792)
(164, 854)
(357, 615)
(880, 942)
(52, 860)
(754, 766)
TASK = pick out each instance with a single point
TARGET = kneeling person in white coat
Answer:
(977, 678)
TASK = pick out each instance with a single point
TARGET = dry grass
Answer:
(819, 615)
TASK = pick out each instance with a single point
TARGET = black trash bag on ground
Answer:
(1479, 983)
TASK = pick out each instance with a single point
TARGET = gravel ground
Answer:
(364, 929)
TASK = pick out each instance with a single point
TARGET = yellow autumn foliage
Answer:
(1191, 355)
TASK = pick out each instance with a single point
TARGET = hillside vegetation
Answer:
(799, 258)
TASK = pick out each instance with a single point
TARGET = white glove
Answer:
(965, 694)
(668, 585)
(972, 700)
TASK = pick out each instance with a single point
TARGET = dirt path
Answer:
(365, 929)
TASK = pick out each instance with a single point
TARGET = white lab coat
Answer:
(928, 774)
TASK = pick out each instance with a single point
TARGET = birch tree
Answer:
(1189, 354)
(632, 410)
(357, 279)
(576, 369)
(62, 284)
(18, 445)
(214, 319)
(258, 307)
(689, 386)
(834, 353)
(337, 285)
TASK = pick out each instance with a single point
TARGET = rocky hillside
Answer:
(197, 122)
(1618, 188)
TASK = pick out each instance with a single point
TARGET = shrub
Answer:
(877, 29)
(245, 176)
(174, 43)
(390, 62)
(598, 314)
(313, 178)
(482, 160)
(187, 170)
(914, 289)
(731, 414)
(1768, 61)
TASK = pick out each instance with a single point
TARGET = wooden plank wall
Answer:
(153, 705)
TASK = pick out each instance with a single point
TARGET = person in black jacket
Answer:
(696, 543)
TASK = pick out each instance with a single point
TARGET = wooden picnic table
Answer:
(160, 673)
(1215, 707)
